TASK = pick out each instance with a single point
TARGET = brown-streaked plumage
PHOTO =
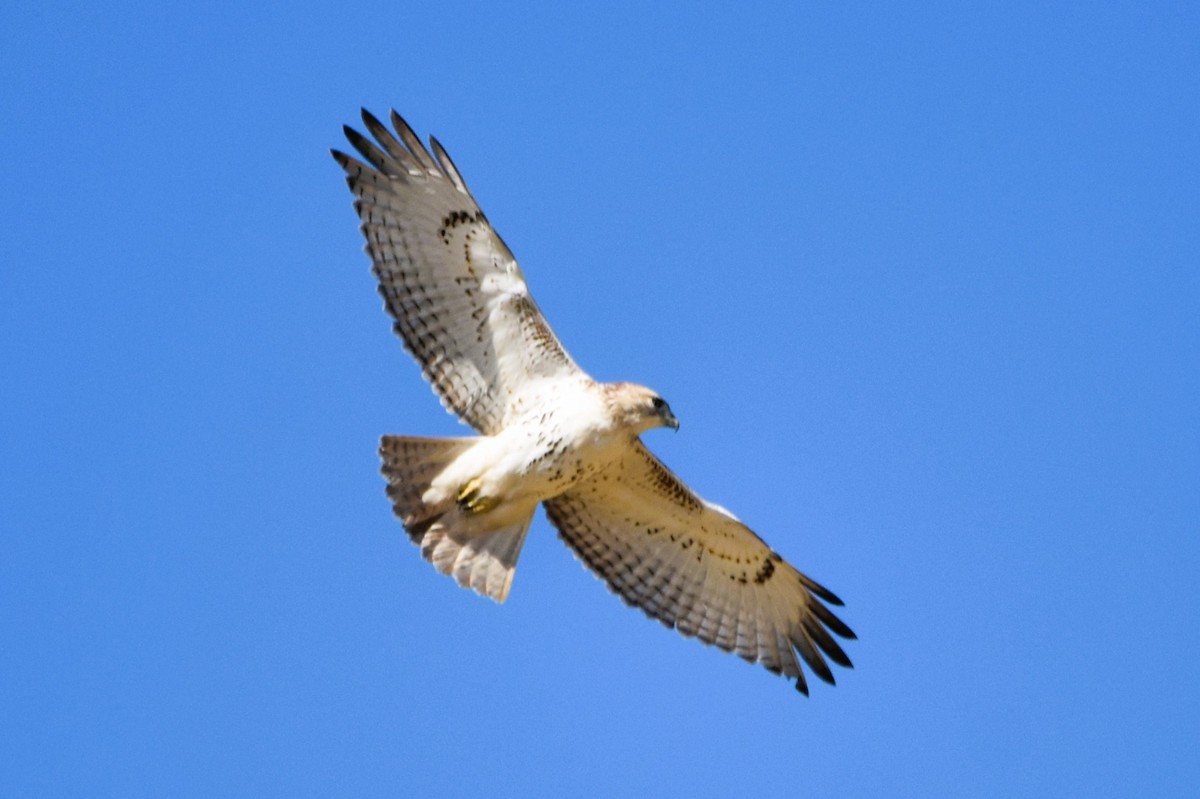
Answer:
(550, 434)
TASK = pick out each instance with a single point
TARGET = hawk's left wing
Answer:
(694, 567)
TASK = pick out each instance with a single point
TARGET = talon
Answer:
(470, 499)
(469, 491)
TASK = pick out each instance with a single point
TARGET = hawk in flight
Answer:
(550, 434)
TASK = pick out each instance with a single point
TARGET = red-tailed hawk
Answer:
(550, 434)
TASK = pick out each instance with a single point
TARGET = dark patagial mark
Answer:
(767, 569)
(453, 220)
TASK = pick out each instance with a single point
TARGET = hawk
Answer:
(551, 435)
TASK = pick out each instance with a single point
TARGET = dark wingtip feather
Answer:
(439, 154)
(350, 165)
(385, 138)
(824, 640)
(447, 164)
(824, 673)
(826, 617)
(360, 142)
(820, 590)
(374, 125)
(801, 685)
(812, 656)
(412, 141)
(398, 122)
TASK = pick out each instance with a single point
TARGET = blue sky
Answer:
(922, 285)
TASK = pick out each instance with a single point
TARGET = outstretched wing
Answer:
(694, 567)
(455, 290)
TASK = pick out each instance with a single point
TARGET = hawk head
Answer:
(640, 408)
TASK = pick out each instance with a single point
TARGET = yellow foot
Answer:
(469, 498)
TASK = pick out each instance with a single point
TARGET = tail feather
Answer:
(480, 560)
(483, 562)
(410, 464)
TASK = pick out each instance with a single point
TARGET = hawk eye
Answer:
(659, 403)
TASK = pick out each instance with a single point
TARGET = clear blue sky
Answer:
(922, 285)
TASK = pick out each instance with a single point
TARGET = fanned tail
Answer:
(480, 560)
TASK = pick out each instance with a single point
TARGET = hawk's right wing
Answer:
(455, 290)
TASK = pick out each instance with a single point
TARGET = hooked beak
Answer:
(668, 418)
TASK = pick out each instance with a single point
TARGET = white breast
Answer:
(561, 433)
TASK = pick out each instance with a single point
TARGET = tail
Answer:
(483, 561)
